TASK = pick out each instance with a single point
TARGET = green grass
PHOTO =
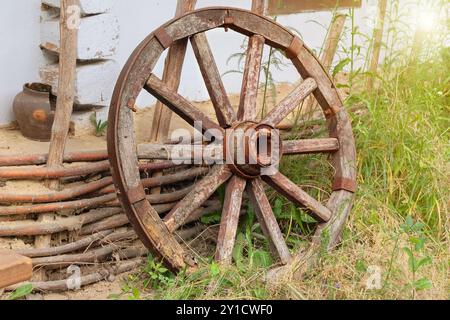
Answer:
(402, 143)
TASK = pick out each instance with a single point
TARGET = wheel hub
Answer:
(252, 149)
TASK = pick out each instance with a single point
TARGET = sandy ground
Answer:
(12, 142)
(98, 291)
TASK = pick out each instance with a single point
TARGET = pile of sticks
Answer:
(90, 227)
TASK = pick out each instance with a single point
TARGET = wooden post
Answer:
(280, 7)
(69, 21)
(172, 73)
(330, 49)
(162, 116)
(333, 38)
(378, 40)
(259, 6)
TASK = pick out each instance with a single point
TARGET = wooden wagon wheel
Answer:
(158, 233)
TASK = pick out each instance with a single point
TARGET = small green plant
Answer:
(157, 275)
(215, 217)
(153, 278)
(99, 125)
(417, 259)
(21, 292)
(130, 290)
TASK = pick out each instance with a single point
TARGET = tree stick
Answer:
(119, 220)
(122, 220)
(57, 196)
(259, 6)
(40, 173)
(188, 234)
(331, 46)
(38, 159)
(98, 256)
(58, 206)
(114, 222)
(118, 236)
(69, 20)
(333, 38)
(165, 180)
(34, 228)
(210, 207)
(171, 76)
(378, 40)
(160, 198)
(93, 256)
(61, 172)
(67, 248)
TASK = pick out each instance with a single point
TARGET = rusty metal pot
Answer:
(34, 110)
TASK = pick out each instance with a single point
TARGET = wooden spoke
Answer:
(230, 219)
(250, 82)
(309, 146)
(224, 111)
(202, 192)
(291, 102)
(267, 219)
(295, 194)
(185, 152)
(178, 104)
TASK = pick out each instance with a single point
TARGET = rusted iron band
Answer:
(332, 111)
(136, 194)
(131, 104)
(295, 48)
(163, 38)
(344, 184)
(228, 21)
(334, 131)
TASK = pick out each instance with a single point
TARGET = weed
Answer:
(21, 292)
(157, 275)
(416, 259)
(99, 125)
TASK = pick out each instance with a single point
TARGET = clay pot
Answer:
(34, 110)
